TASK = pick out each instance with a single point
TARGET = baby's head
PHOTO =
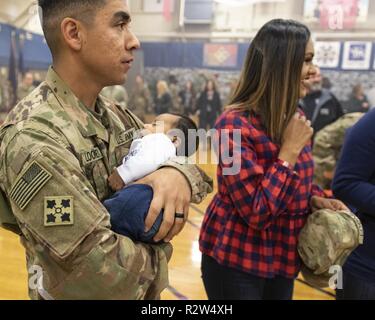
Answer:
(176, 126)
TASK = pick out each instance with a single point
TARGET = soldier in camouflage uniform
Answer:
(26, 87)
(117, 94)
(140, 99)
(174, 92)
(327, 148)
(4, 92)
(59, 145)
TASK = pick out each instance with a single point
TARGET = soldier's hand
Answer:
(173, 193)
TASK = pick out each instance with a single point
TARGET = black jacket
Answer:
(164, 104)
(356, 105)
(209, 109)
(321, 108)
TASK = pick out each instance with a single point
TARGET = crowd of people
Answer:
(9, 96)
(205, 102)
(169, 96)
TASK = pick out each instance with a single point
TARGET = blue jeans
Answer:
(355, 289)
(224, 283)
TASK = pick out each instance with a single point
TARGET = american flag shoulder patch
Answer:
(29, 184)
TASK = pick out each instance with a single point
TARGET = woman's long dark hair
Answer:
(271, 76)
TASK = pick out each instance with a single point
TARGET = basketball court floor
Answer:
(184, 267)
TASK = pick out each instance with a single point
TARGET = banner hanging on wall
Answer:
(357, 55)
(336, 14)
(166, 7)
(327, 54)
(220, 55)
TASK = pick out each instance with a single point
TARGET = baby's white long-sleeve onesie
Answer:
(145, 156)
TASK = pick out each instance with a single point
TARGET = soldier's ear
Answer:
(71, 31)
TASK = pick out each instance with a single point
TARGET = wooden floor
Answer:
(185, 278)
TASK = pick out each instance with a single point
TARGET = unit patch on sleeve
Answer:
(29, 184)
(58, 211)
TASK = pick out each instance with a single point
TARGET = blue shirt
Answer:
(354, 184)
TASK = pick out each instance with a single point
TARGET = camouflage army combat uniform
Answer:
(56, 157)
(4, 99)
(327, 147)
(117, 94)
(140, 101)
(176, 103)
(23, 91)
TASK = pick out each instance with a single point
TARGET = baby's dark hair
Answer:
(185, 124)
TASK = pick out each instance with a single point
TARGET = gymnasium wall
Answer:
(31, 49)
(194, 59)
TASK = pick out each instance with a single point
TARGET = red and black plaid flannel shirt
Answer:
(254, 221)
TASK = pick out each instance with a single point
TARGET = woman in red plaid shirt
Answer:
(250, 230)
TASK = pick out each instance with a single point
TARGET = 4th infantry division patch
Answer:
(58, 211)
(29, 184)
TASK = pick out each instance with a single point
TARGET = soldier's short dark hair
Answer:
(52, 12)
(185, 124)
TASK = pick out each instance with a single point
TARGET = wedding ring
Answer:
(179, 216)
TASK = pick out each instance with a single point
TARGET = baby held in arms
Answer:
(163, 140)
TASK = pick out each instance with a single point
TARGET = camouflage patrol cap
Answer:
(327, 240)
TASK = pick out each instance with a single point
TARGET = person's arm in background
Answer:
(366, 103)
(168, 102)
(199, 103)
(339, 112)
(356, 168)
(148, 98)
(365, 99)
(181, 99)
(219, 104)
(193, 104)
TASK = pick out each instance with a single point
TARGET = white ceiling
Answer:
(20, 13)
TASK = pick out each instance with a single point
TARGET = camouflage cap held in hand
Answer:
(327, 240)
